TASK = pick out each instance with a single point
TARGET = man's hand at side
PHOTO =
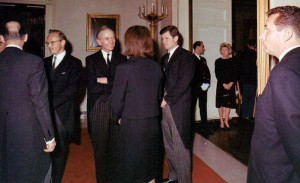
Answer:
(50, 146)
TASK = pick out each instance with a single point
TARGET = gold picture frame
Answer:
(94, 22)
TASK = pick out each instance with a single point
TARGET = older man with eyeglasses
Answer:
(63, 71)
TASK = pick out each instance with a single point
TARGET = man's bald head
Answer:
(13, 30)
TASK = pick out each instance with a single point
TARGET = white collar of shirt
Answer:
(197, 56)
(172, 51)
(105, 55)
(286, 51)
(59, 58)
(13, 45)
(225, 58)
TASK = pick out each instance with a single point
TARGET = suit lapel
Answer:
(203, 60)
(48, 63)
(61, 68)
(173, 58)
(114, 57)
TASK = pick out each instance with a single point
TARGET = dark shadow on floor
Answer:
(235, 140)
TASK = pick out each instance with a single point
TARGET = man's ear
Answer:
(63, 42)
(176, 39)
(288, 33)
(25, 38)
(2, 39)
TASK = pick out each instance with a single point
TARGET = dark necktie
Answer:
(53, 63)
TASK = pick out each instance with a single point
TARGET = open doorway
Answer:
(32, 16)
(244, 23)
(244, 34)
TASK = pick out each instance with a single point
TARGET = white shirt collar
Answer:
(197, 56)
(286, 51)
(172, 51)
(59, 58)
(14, 45)
(105, 55)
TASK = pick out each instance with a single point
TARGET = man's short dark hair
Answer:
(61, 35)
(172, 29)
(174, 32)
(289, 16)
(197, 43)
(13, 35)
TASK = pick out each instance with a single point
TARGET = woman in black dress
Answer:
(226, 75)
(135, 105)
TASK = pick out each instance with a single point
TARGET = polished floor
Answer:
(226, 151)
(220, 155)
(80, 166)
(235, 140)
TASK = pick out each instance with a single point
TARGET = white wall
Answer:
(181, 20)
(275, 3)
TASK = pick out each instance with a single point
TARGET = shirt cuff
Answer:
(50, 141)
(204, 86)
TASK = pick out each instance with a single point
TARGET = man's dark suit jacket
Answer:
(96, 67)
(25, 121)
(179, 72)
(136, 92)
(202, 74)
(64, 84)
(275, 148)
(248, 69)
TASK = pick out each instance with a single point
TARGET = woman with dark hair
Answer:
(226, 75)
(135, 106)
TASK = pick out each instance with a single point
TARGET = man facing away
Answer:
(178, 66)
(63, 71)
(200, 84)
(100, 72)
(248, 79)
(275, 147)
(26, 131)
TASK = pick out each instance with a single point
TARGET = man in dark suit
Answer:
(100, 71)
(200, 84)
(275, 147)
(178, 66)
(248, 79)
(25, 122)
(63, 71)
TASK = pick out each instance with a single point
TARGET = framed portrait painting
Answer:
(94, 23)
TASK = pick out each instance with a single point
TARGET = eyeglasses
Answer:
(52, 42)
